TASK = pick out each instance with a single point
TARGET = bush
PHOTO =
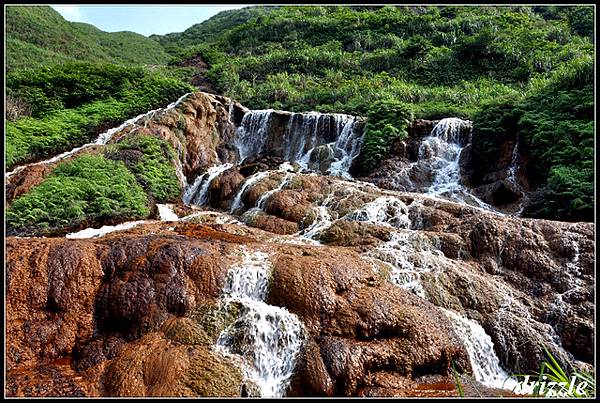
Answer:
(152, 166)
(87, 189)
(387, 122)
(119, 93)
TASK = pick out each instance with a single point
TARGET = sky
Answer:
(145, 20)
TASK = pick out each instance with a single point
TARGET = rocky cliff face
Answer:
(137, 314)
(360, 289)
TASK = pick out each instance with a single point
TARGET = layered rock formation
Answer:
(391, 288)
(136, 315)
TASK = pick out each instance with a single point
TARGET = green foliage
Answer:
(461, 393)
(574, 384)
(345, 58)
(76, 101)
(89, 188)
(37, 35)
(555, 124)
(387, 122)
(152, 166)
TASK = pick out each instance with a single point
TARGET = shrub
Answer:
(387, 122)
(118, 93)
(152, 166)
(87, 189)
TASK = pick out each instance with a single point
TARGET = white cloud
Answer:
(69, 12)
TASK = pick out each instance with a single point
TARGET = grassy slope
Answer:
(37, 35)
(444, 61)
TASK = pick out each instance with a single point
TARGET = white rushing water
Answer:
(480, 348)
(166, 213)
(197, 193)
(443, 148)
(409, 254)
(265, 197)
(268, 338)
(107, 229)
(385, 210)
(237, 200)
(102, 138)
(303, 135)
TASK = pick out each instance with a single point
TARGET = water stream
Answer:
(268, 338)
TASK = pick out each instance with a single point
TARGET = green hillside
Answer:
(516, 70)
(209, 29)
(37, 35)
(510, 69)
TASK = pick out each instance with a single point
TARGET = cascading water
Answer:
(197, 193)
(441, 151)
(262, 201)
(443, 148)
(301, 138)
(385, 210)
(237, 200)
(480, 348)
(252, 135)
(107, 229)
(166, 213)
(349, 143)
(268, 338)
(408, 254)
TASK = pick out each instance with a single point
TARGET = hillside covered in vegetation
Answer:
(39, 35)
(524, 71)
(361, 201)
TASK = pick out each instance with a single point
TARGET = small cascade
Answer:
(441, 151)
(385, 210)
(443, 148)
(197, 193)
(102, 138)
(252, 135)
(268, 338)
(179, 168)
(416, 215)
(349, 142)
(484, 361)
(251, 181)
(262, 201)
(322, 221)
(166, 213)
(408, 254)
(513, 168)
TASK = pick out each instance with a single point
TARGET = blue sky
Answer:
(145, 20)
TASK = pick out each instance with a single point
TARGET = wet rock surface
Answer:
(367, 268)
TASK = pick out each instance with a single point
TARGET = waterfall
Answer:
(385, 210)
(268, 338)
(102, 138)
(514, 166)
(443, 148)
(252, 135)
(197, 193)
(237, 200)
(408, 254)
(480, 348)
(166, 213)
(106, 229)
(349, 143)
(262, 201)
(322, 221)
(299, 139)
